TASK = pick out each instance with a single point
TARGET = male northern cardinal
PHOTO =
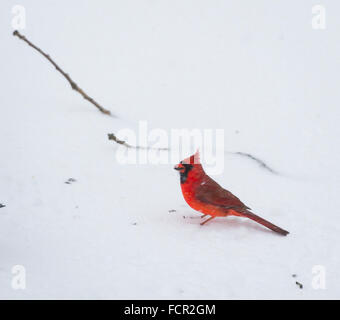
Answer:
(205, 195)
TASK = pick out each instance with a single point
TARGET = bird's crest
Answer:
(194, 159)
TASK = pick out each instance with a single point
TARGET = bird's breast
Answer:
(189, 196)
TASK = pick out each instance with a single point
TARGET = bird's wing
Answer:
(209, 191)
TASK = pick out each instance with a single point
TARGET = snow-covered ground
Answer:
(256, 69)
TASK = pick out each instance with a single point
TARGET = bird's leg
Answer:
(203, 215)
(202, 223)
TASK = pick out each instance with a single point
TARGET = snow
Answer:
(257, 70)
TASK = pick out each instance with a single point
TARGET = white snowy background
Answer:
(256, 69)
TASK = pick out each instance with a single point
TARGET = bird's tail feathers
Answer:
(264, 222)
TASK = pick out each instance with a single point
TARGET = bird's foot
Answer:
(204, 222)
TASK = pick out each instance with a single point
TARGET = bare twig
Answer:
(259, 161)
(113, 137)
(74, 86)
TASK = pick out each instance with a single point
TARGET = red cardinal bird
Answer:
(205, 195)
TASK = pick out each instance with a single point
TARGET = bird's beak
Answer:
(178, 167)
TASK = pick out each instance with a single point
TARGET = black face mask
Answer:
(184, 174)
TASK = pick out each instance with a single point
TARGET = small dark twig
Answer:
(2, 205)
(259, 161)
(74, 86)
(113, 137)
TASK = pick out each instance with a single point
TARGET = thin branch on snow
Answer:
(74, 86)
(259, 161)
(113, 137)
